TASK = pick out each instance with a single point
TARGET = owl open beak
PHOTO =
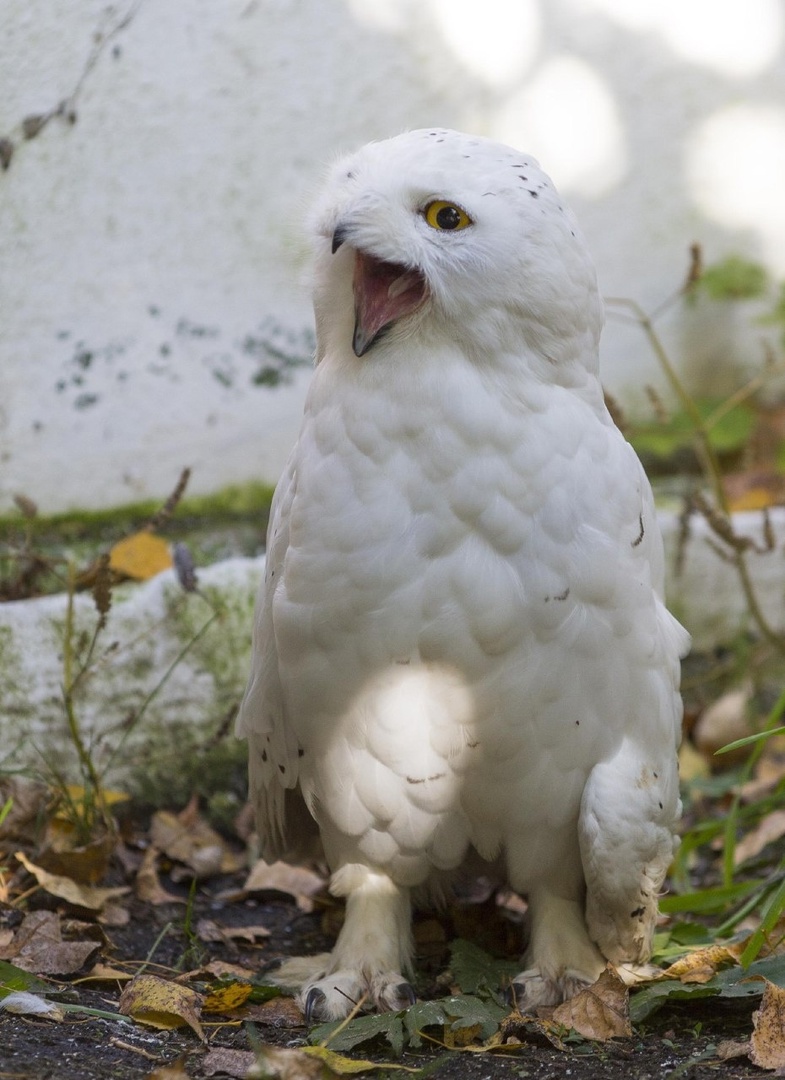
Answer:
(383, 293)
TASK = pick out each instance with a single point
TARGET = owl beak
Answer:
(383, 293)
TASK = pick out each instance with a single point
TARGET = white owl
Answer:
(461, 645)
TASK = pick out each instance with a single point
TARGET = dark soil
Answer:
(671, 1044)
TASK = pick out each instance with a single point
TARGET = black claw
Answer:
(406, 993)
(313, 1000)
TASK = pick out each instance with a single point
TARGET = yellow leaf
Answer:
(140, 556)
(599, 1012)
(86, 896)
(227, 998)
(162, 1004)
(703, 964)
(342, 1065)
(767, 1044)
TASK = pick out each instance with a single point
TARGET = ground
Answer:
(670, 1044)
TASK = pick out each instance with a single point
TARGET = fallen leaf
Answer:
(723, 722)
(38, 946)
(84, 896)
(769, 829)
(342, 1065)
(279, 1012)
(298, 882)
(25, 1004)
(147, 884)
(701, 965)
(227, 998)
(140, 556)
(599, 1012)
(234, 1063)
(692, 763)
(279, 1063)
(188, 839)
(104, 973)
(114, 915)
(219, 969)
(175, 1071)
(209, 930)
(767, 1043)
(162, 1004)
(732, 1048)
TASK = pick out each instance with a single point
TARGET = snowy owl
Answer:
(460, 646)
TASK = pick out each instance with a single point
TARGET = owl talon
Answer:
(406, 994)
(313, 1003)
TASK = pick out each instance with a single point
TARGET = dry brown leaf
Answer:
(724, 721)
(767, 1043)
(114, 915)
(208, 930)
(85, 896)
(83, 863)
(140, 556)
(770, 828)
(38, 946)
(104, 973)
(218, 969)
(224, 1062)
(175, 1071)
(278, 1012)
(600, 1012)
(692, 763)
(162, 1004)
(300, 883)
(188, 839)
(732, 1048)
(147, 885)
(703, 964)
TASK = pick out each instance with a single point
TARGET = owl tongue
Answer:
(383, 292)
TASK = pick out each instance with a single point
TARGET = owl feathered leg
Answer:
(560, 959)
(373, 948)
(628, 812)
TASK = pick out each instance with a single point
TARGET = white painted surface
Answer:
(151, 260)
(151, 624)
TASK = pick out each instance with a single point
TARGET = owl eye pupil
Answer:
(448, 217)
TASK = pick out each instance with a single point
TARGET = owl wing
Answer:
(272, 746)
(630, 805)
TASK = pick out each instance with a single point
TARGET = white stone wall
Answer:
(151, 263)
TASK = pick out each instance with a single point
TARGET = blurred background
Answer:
(158, 156)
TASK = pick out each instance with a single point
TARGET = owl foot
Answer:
(334, 996)
(530, 990)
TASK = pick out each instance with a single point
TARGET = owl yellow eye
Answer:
(446, 216)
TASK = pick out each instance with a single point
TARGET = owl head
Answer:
(439, 233)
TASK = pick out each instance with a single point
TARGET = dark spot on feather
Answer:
(641, 534)
(656, 775)
(638, 913)
(264, 755)
(300, 752)
(564, 595)
(577, 723)
(473, 745)
(534, 194)
(660, 806)
(524, 178)
(282, 768)
(403, 662)
(414, 780)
